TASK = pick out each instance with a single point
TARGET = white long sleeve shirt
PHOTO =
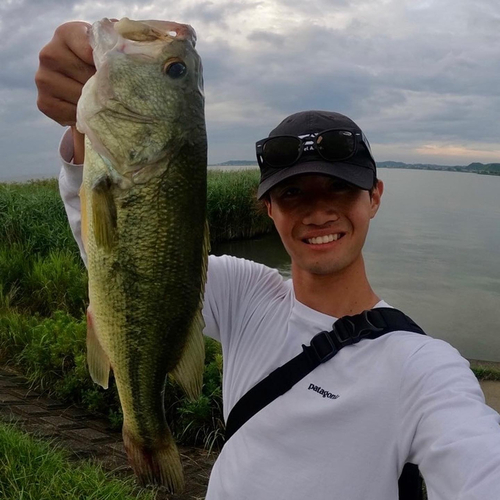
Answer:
(345, 431)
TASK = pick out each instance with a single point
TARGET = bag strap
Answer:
(347, 330)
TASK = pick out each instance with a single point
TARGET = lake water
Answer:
(433, 251)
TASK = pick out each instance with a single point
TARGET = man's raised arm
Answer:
(66, 63)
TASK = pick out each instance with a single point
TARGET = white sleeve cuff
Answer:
(70, 180)
(72, 172)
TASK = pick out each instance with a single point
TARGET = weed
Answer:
(34, 470)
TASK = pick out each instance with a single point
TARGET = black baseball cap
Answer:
(358, 169)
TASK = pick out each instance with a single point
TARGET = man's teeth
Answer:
(323, 239)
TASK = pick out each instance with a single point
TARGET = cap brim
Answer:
(362, 177)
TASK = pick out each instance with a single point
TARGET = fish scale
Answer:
(144, 229)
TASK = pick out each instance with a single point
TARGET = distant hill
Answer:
(479, 168)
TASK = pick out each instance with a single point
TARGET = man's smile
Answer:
(323, 239)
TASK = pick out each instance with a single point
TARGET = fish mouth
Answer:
(152, 30)
(107, 35)
(322, 240)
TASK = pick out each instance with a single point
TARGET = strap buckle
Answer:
(351, 329)
(323, 346)
(347, 330)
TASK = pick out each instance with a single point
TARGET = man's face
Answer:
(322, 221)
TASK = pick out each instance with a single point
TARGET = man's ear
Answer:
(267, 201)
(375, 198)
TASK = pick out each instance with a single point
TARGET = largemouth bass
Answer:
(143, 202)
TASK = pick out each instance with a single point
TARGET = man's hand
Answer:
(66, 63)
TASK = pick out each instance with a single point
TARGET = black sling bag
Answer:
(325, 345)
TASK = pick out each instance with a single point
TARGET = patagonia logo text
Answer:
(321, 391)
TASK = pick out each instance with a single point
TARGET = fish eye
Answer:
(175, 69)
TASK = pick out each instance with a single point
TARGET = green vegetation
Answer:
(233, 210)
(43, 300)
(31, 469)
(486, 372)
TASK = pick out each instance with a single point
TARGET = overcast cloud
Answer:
(421, 77)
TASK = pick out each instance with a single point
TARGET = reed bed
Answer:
(31, 469)
(43, 299)
(233, 209)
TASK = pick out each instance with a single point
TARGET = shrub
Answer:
(57, 281)
(233, 210)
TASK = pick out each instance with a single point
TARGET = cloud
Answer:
(457, 151)
(410, 73)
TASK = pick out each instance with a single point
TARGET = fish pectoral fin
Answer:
(189, 371)
(97, 359)
(104, 213)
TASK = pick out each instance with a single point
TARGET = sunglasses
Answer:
(331, 145)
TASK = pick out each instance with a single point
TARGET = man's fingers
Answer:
(66, 63)
(50, 83)
(75, 36)
(62, 112)
(69, 52)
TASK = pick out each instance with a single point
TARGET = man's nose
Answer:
(320, 211)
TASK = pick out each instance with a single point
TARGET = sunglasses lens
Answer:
(335, 145)
(281, 151)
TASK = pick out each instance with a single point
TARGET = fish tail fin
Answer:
(158, 465)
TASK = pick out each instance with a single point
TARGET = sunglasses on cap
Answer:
(332, 145)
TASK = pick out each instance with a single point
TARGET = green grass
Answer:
(32, 217)
(32, 469)
(486, 373)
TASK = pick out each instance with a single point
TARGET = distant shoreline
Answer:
(476, 168)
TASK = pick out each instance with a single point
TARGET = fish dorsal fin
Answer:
(189, 371)
(104, 213)
(97, 359)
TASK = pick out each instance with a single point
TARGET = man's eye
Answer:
(290, 192)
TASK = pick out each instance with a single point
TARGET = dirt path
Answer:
(86, 436)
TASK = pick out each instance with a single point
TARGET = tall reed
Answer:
(32, 215)
(233, 209)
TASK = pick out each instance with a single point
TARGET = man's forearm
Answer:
(78, 146)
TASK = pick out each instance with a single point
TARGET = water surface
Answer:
(433, 251)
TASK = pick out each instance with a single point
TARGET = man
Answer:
(345, 430)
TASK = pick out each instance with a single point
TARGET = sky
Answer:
(420, 77)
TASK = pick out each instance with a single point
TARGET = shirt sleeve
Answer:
(70, 180)
(234, 289)
(447, 428)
